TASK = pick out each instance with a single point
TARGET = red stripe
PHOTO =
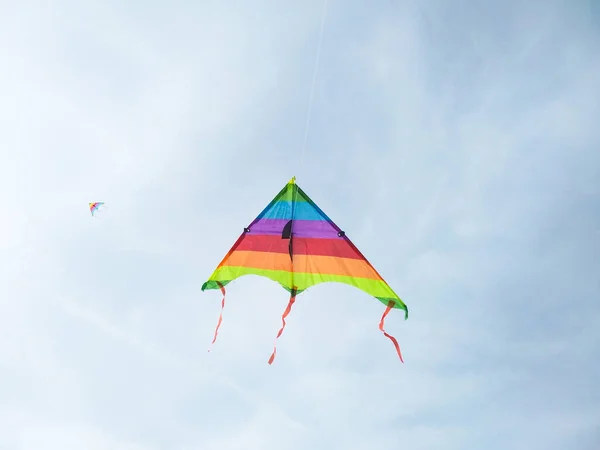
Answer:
(302, 246)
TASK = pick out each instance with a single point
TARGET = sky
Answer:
(455, 142)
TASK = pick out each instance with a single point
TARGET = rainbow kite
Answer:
(295, 244)
(95, 206)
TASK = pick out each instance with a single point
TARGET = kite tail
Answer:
(220, 315)
(391, 338)
(285, 314)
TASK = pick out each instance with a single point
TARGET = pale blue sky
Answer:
(455, 142)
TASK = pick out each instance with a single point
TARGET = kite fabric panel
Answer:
(294, 243)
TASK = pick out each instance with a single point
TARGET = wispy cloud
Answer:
(457, 146)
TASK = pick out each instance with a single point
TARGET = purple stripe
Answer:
(302, 228)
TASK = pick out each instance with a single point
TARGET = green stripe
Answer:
(377, 288)
(287, 195)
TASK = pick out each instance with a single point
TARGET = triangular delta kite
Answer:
(95, 206)
(293, 242)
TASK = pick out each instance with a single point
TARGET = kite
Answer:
(95, 206)
(294, 243)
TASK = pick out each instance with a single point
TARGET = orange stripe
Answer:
(303, 264)
(259, 260)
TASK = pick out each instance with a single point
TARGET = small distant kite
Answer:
(95, 206)
(295, 244)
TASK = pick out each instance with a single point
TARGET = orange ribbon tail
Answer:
(391, 338)
(220, 316)
(285, 314)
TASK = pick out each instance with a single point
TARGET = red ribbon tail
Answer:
(285, 314)
(391, 338)
(220, 316)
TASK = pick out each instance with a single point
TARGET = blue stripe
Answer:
(283, 210)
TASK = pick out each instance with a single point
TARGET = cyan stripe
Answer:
(282, 210)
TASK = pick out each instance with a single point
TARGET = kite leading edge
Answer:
(294, 243)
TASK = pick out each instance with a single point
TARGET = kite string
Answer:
(312, 88)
